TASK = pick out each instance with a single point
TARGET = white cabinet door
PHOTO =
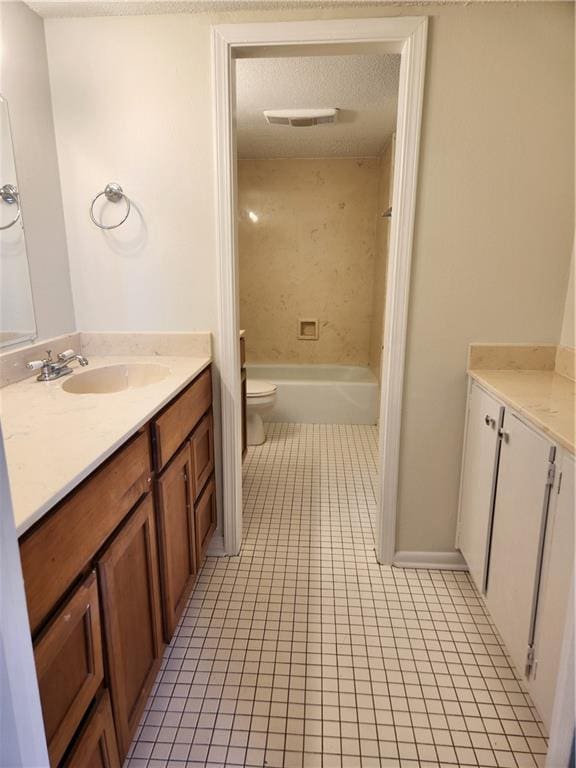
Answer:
(477, 483)
(516, 534)
(557, 574)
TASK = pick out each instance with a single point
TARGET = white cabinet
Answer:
(555, 582)
(519, 522)
(516, 532)
(481, 448)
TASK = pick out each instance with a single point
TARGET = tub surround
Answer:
(531, 379)
(55, 439)
(385, 187)
(307, 249)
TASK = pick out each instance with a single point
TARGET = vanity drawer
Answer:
(57, 551)
(202, 448)
(173, 426)
(205, 520)
(96, 746)
(69, 666)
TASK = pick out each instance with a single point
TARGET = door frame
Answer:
(399, 35)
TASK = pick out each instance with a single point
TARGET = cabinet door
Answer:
(244, 407)
(128, 574)
(202, 447)
(515, 554)
(557, 574)
(69, 666)
(479, 470)
(177, 539)
(96, 746)
(205, 520)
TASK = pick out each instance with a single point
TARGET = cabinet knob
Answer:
(504, 435)
(489, 422)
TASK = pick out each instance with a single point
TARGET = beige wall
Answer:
(311, 254)
(568, 333)
(386, 177)
(25, 84)
(495, 205)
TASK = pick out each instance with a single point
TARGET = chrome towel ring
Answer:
(113, 193)
(9, 194)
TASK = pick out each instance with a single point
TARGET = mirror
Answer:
(17, 321)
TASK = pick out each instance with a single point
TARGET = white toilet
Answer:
(260, 397)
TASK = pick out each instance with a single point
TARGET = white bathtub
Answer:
(321, 394)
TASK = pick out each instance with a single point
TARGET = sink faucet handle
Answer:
(67, 354)
(34, 365)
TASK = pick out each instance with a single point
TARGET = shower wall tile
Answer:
(307, 243)
(386, 179)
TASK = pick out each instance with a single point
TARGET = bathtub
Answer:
(320, 394)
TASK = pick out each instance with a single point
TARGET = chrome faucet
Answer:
(54, 369)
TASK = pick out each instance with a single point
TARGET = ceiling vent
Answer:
(300, 118)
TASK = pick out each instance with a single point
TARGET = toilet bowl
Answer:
(260, 397)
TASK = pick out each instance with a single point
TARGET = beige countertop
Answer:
(55, 439)
(543, 397)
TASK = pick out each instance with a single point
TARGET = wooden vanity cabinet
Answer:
(128, 574)
(177, 538)
(107, 574)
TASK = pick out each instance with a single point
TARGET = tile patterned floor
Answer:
(304, 652)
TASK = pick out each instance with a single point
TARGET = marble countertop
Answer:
(54, 439)
(543, 397)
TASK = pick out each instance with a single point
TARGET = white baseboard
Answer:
(216, 547)
(447, 561)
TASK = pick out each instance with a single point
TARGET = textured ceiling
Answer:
(71, 8)
(363, 87)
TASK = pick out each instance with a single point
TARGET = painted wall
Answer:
(491, 257)
(25, 84)
(310, 254)
(132, 104)
(568, 333)
(385, 181)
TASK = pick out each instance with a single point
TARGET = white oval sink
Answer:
(115, 378)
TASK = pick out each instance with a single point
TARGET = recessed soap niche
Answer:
(308, 329)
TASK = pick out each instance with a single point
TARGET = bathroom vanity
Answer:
(516, 518)
(109, 567)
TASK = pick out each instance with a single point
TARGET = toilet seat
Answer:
(259, 388)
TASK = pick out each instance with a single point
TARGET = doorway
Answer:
(403, 36)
